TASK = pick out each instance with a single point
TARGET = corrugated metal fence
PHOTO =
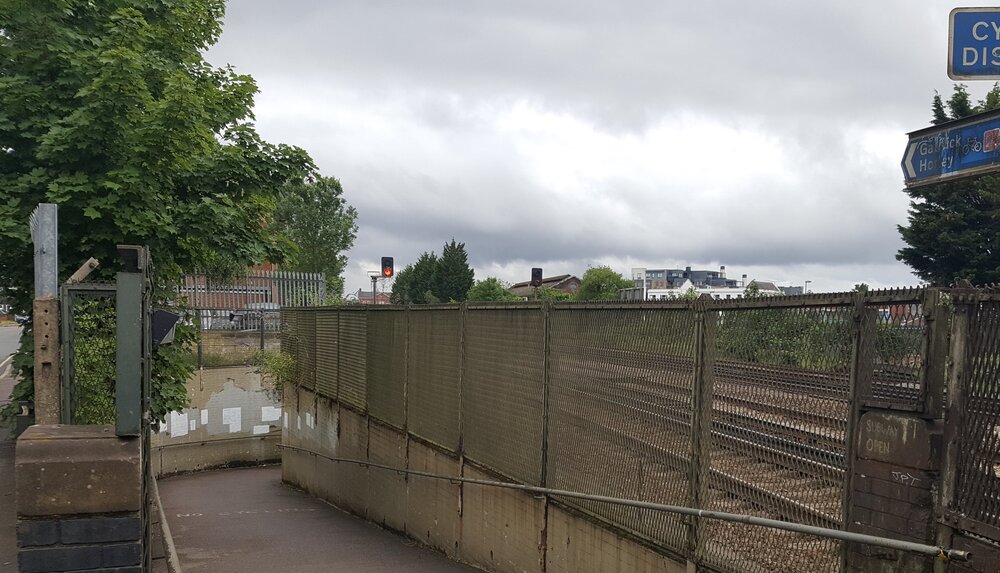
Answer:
(740, 406)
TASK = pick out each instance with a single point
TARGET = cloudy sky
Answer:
(765, 136)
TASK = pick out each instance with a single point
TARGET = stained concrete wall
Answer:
(231, 420)
(501, 530)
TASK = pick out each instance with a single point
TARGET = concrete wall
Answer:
(231, 421)
(501, 530)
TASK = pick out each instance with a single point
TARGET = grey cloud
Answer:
(800, 72)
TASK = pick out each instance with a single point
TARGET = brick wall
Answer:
(94, 544)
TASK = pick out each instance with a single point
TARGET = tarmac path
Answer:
(247, 520)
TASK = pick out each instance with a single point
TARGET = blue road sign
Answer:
(974, 44)
(969, 146)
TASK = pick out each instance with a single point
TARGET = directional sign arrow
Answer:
(908, 161)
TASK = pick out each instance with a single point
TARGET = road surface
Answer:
(8, 342)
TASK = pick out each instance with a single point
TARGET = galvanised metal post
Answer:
(45, 313)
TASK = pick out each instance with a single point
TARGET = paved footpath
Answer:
(246, 520)
(8, 510)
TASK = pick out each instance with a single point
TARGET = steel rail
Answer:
(940, 552)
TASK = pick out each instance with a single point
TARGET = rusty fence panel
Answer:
(353, 358)
(779, 412)
(975, 503)
(502, 389)
(327, 352)
(897, 379)
(620, 400)
(434, 361)
(739, 406)
(385, 361)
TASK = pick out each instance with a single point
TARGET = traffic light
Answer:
(536, 277)
(387, 267)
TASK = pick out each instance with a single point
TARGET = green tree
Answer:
(414, 283)
(317, 219)
(953, 228)
(491, 289)
(109, 110)
(453, 277)
(601, 283)
(549, 293)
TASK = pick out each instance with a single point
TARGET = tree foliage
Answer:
(953, 229)
(549, 293)
(601, 283)
(319, 222)
(415, 283)
(492, 289)
(434, 279)
(108, 110)
(453, 277)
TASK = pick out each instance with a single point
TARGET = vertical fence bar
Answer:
(128, 359)
(935, 353)
(546, 376)
(954, 418)
(66, 380)
(706, 319)
(860, 375)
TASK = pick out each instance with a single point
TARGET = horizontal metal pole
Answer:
(936, 551)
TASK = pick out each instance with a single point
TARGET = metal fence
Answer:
(257, 290)
(742, 406)
(974, 504)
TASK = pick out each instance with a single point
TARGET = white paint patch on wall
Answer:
(257, 430)
(269, 413)
(232, 417)
(286, 420)
(204, 417)
(178, 424)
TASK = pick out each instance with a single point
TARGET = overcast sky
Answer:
(764, 136)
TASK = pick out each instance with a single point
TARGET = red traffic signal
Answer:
(536, 277)
(387, 270)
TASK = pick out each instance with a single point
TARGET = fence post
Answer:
(954, 419)
(546, 366)
(893, 455)
(862, 354)
(706, 321)
(935, 316)
(129, 357)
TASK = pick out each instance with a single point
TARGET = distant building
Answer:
(673, 278)
(365, 297)
(566, 283)
(670, 284)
